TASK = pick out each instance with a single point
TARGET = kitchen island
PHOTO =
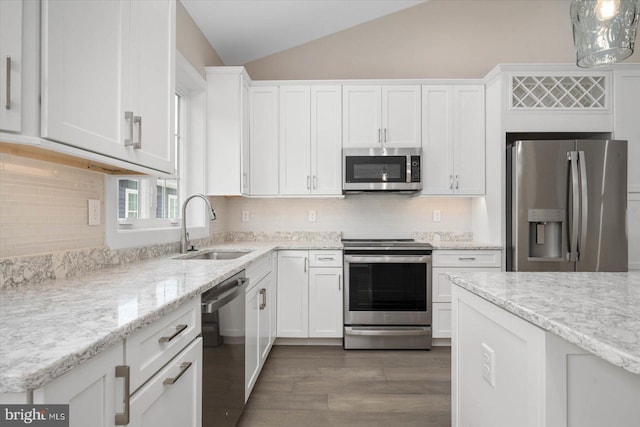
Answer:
(546, 349)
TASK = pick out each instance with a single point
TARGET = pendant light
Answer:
(604, 31)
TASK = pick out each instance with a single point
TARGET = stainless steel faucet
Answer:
(184, 236)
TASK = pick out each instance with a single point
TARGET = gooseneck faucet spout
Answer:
(184, 236)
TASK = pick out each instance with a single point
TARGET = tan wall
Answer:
(437, 39)
(192, 43)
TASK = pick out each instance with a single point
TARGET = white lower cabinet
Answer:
(90, 390)
(260, 307)
(162, 363)
(309, 294)
(173, 396)
(451, 261)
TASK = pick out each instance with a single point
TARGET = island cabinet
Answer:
(508, 372)
(107, 81)
(455, 261)
(310, 140)
(310, 294)
(453, 139)
(260, 310)
(381, 116)
(152, 378)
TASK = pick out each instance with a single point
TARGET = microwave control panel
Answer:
(415, 168)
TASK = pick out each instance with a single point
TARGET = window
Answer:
(146, 209)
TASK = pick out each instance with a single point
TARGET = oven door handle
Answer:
(419, 259)
(387, 332)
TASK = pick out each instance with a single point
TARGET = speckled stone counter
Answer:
(599, 312)
(49, 327)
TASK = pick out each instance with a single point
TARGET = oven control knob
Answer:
(387, 316)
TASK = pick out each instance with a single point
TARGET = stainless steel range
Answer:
(387, 298)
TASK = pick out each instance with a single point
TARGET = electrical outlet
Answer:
(436, 216)
(93, 207)
(488, 364)
(245, 216)
(312, 216)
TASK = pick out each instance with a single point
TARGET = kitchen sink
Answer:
(214, 254)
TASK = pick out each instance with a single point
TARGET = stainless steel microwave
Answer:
(381, 169)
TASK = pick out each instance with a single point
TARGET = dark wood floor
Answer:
(313, 386)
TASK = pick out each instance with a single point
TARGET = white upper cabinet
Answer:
(453, 123)
(264, 141)
(11, 56)
(108, 78)
(626, 124)
(381, 116)
(227, 172)
(310, 140)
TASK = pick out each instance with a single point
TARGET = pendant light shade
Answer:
(604, 31)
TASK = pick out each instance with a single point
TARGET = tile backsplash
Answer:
(43, 206)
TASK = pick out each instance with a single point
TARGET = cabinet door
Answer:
(437, 130)
(295, 140)
(152, 90)
(442, 319)
(173, 396)
(265, 325)
(401, 118)
(634, 231)
(326, 140)
(252, 352)
(325, 303)
(468, 139)
(85, 50)
(362, 116)
(11, 57)
(245, 151)
(89, 390)
(627, 125)
(264, 141)
(293, 294)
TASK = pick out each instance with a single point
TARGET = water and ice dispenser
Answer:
(545, 233)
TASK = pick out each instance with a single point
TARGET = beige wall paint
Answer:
(437, 39)
(192, 43)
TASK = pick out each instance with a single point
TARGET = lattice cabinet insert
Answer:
(558, 92)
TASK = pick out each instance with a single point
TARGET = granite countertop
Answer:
(48, 328)
(599, 312)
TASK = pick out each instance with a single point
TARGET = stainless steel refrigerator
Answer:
(567, 205)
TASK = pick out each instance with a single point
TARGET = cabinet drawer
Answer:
(325, 258)
(258, 269)
(491, 258)
(442, 285)
(441, 320)
(151, 348)
(173, 396)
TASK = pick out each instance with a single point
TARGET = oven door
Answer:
(387, 288)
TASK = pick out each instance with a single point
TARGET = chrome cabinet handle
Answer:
(339, 282)
(305, 264)
(308, 182)
(385, 135)
(128, 116)
(379, 136)
(263, 292)
(457, 182)
(137, 120)
(184, 366)
(467, 258)
(7, 104)
(315, 182)
(326, 258)
(450, 182)
(178, 331)
(123, 371)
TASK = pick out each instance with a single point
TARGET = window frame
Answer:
(120, 233)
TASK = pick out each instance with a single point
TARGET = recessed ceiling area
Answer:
(242, 31)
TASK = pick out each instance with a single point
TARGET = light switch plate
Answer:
(436, 216)
(93, 206)
(312, 216)
(245, 216)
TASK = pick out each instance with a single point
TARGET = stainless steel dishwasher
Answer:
(223, 339)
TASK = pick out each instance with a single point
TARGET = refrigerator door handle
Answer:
(575, 207)
(585, 201)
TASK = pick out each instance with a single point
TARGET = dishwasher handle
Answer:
(213, 301)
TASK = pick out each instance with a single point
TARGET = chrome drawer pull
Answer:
(263, 304)
(122, 371)
(179, 329)
(7, 104)
(128, 116)
(326, 258)
(137, 120)
(468, 258)
(184, 366)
